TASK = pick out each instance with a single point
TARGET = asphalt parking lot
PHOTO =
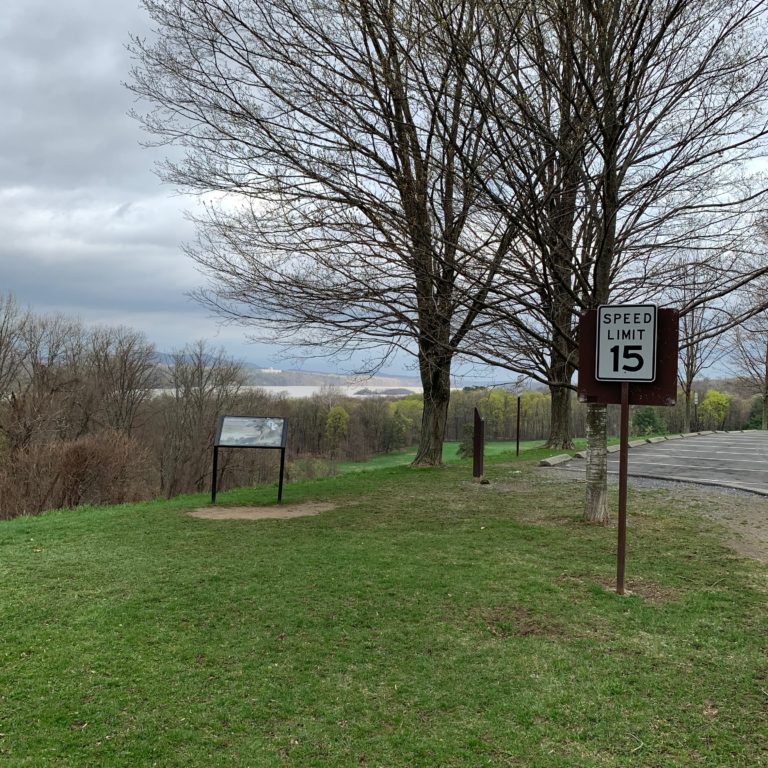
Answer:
(727, 459)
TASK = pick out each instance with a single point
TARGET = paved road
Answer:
(730, 459)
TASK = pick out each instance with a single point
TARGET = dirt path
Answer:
(272, 512)
(744, 515)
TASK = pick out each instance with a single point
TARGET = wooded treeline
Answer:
(88, 415)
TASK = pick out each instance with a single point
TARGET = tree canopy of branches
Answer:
(622, 134)
(340, 141)
(461, 177)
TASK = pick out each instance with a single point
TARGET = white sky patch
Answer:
(86, 228)
(57, 226)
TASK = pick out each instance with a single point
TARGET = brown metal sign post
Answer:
(478, 446)
(625, 351)
(628, 356)
(621, 551)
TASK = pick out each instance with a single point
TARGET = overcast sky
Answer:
(86, 228)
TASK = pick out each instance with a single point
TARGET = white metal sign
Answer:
(626, 342)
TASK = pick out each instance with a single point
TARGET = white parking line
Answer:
(718, 462)
(644, 456)
(690, 452)
(667, 465)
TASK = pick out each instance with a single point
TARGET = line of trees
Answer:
(463, 178)
(88, 415)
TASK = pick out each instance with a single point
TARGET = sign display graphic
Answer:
(626, 343)
(251, 432)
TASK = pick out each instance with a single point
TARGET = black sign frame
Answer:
(217, 444)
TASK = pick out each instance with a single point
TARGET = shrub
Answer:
(714, 409)
(106, 468)
(646, 421)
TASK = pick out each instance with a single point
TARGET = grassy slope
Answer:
(427, 621)
(450, 456)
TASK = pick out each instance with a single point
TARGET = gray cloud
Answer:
(65, 118)
(86, 228)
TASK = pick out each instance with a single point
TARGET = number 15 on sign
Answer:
(626, 343)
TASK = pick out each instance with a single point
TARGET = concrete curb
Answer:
(553, 461)
(562, 458)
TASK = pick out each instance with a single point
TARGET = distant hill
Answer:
(274, 377)
(288, 377)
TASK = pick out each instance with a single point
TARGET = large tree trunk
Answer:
(560, 375)
(610, 130)
(560, 417)
(436, 382)
(765, 410)
(596, 510)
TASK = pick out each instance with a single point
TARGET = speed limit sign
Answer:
(626, 343)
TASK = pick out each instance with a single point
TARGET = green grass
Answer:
(426, 621)
(529, 449)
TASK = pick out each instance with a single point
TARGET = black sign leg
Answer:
(215, 472)
(623, 461)
(282, 470)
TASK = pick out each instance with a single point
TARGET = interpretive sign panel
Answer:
(251, 432)
(626, 343)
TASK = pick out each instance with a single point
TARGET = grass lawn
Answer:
(529, 449)
(426, 621)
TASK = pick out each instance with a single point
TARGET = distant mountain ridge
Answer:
(277, 377)
(290, 377)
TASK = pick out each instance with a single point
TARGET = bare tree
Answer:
(204, 384)
(348, 144)
(748, 350)
(341, 146)
(123, 369)
(46, 399)
(632, 125)
(702, 326)
(13, 321)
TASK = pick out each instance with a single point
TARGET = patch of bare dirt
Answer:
(516, 621)
(272, 512)
(743, 515)
(648, 590)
